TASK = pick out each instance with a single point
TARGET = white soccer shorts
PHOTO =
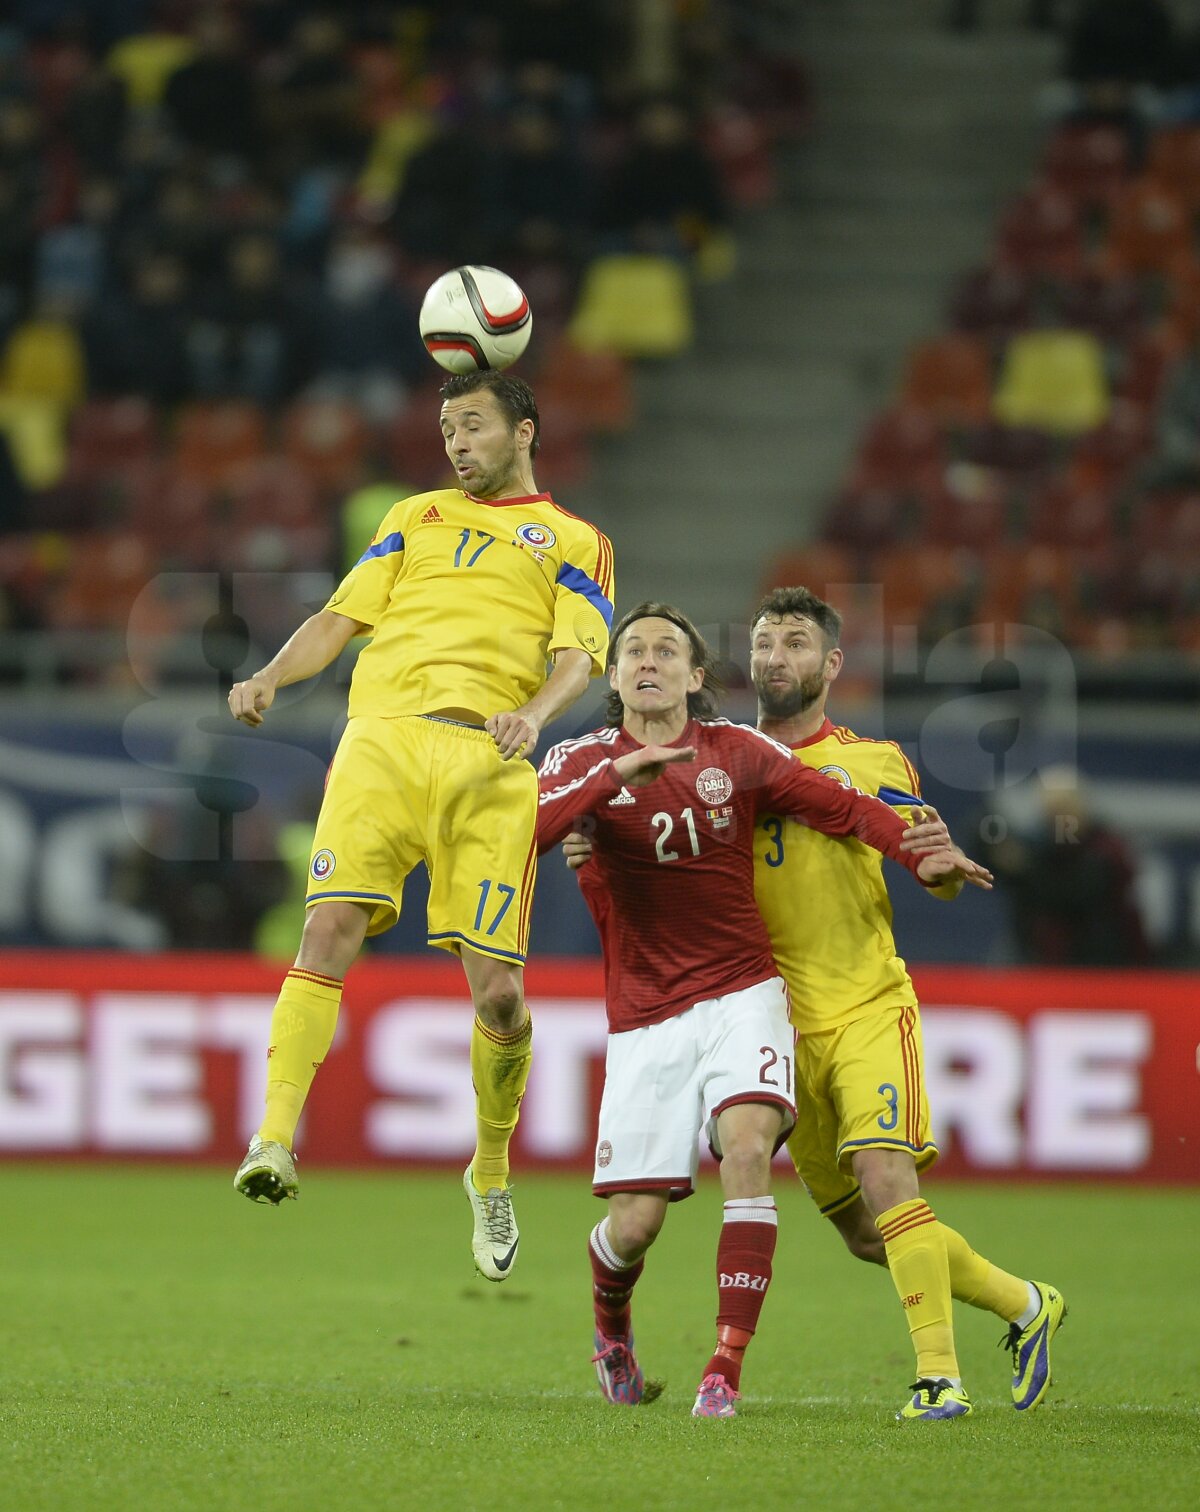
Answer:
(665, 1083)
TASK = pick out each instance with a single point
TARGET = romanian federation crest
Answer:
(839, 774)
(541, 537)
(322, 865)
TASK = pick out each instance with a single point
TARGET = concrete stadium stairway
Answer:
(920, 135)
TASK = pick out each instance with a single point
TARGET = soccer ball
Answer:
(473, 318)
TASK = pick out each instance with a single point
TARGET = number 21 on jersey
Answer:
(664, 825)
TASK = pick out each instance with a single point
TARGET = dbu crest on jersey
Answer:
(539, 536)
(839, 774)
(322, 865)
(713, 787)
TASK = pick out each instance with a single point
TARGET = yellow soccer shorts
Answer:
(859, 1087)
(416, 789)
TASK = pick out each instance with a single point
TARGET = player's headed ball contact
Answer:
(474, 318)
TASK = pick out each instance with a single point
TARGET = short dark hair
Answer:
(701, 705)
(802, 602)
(513, 395)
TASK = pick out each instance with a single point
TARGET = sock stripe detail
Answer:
(752, 1210)
(604, 1251)
(509, 1041)
(316, 978)
(909, 1216)
(904, 1228)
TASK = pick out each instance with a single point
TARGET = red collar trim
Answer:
(826, 729)
(542, 498)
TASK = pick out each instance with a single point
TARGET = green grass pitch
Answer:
(168, 1345)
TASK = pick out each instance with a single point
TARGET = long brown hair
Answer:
(702, 704)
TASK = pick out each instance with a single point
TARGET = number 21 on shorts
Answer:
(773, 1064)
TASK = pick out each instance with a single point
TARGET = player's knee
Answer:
(747, 1164)
(634, 1231)
(500, 1003)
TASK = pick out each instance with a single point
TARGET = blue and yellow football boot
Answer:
(1030, 1348)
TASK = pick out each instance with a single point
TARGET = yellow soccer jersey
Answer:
(468, 598)
(824, 901)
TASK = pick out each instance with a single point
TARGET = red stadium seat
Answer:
(328, 438)
(1088, 164)
(820, 565)
(865, 518)
(1182, 313)
(593, 386)
(1149, 229)
(1040, 232)
(1174, 162)
(107, 435)
(969, 509)
(1022, 582)
(914, 577)
(1104, 457)
(1061, 514)
(1146, 364)
(950, 379)
(273, 490)
(1169, 522)
(106, 573)
(212, 439)
(562, 460)
(901, 445)
(414, 442)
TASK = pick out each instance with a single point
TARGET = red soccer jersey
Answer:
(671, 881)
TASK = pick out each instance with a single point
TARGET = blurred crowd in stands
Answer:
(217, 221)
(1041, 462)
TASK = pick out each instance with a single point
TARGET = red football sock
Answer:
(612, 1284)
(744, 1256)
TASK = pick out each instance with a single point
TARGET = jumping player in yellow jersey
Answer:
(862, 1130)
(467, 594)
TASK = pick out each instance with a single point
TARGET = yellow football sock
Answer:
(302, 1028)
(980, 1283)
(499, 1070)
(916, 1255)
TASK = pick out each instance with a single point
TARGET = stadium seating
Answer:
(1024, 496)
(203, 474)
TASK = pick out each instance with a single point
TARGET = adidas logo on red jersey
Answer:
(431, 516)
(624, 796)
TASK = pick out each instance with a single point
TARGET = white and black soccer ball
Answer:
(473, 318)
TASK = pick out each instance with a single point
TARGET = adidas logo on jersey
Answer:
(431, 516)
(624, 796)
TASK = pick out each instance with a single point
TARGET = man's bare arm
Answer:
(320, 640)
(516, 732)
